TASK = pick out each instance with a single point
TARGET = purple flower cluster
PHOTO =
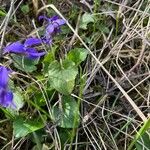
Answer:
(53, 27)
(27, 49)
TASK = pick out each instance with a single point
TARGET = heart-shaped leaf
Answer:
(62, 76)
(23, 127)
(68, 115)
(24, 64)
(77, 55)
(85, 20)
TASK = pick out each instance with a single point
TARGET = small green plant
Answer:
(60, 77)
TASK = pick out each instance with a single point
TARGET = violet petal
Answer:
(32, 41)
(3, 77)
(15, 47)
(53, 18)
(60, 22)
(43, 18)
(33, 54)
(6, 98)
(50, 28)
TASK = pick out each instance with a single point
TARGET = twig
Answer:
(76, 29)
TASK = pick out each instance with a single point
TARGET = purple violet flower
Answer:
(26, 48)
(4, 72)
(6, 96)
(53, 27)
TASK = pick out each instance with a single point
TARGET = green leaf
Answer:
(62, 76)
(25, 9)
(2, 12)
(68, 115)
(65, 135)
(18, 100)
(50, 57)
(85, 20)
(22, 127)
(24, 64)
(77, 55)
(103, 28)
(143, 143)
(141, 132)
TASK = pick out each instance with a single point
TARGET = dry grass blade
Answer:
(130, 8)
(35, 5)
